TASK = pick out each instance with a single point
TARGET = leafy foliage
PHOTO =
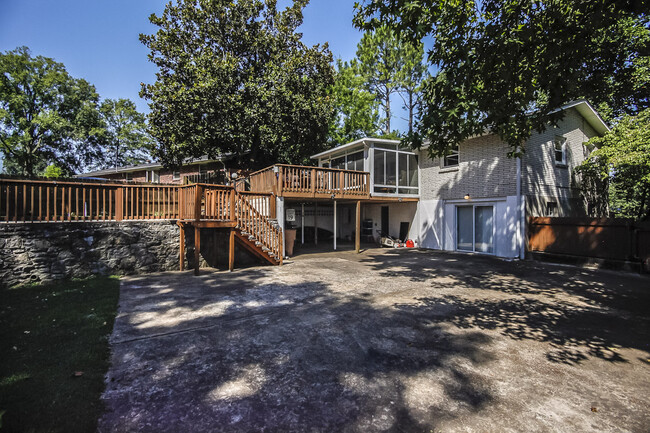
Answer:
(617, 173)
(126, 140)
(380, 61)
(508, 65)
(357, 109)
(46, 116)
(235, 77)
(53, 171)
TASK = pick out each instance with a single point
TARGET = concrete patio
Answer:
(386, 340)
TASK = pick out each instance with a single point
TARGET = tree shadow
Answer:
(580, 313)
(244, 352)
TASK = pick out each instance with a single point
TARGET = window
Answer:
(559, 148)
(176, 175)
(451, 159)
(128, 176)
(395, 172)
(551, 209)
(152, 176)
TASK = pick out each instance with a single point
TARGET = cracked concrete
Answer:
(387, 340)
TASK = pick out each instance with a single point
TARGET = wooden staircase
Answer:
(255, 231)
(250, 217)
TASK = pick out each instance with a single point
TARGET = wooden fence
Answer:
(600, 238)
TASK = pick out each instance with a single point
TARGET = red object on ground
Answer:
(410, 243)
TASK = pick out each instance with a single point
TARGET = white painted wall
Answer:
(437, 223)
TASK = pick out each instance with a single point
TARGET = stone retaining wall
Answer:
(32, 253)
(48, 251)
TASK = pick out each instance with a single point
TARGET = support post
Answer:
(182, 247)
(302, 223)
(334, 225)
(231, 251)
(357, 233)
(316, 223)
(197, 248)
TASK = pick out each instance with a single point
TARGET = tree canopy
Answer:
(235, 77)
(125, 139)
(46, 116)
(357, 109)
(615, 179)
(509, 65)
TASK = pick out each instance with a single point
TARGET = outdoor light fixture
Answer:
(234, 176)
(276, 169)
(467, 197)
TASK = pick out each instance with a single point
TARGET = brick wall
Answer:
(542, 179)
(484, 170)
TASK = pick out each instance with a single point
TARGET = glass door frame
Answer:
(474, 206)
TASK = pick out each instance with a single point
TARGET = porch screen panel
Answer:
(391, 168)
(464, 228)
(379, 167)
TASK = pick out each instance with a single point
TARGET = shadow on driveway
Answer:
(384, 341)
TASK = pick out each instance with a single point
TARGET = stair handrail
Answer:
(258, 225)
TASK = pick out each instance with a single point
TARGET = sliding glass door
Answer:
(475, 228)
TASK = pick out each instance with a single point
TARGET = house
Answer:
(196, 170)
(475, 199)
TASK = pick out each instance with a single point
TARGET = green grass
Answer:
(47, 333)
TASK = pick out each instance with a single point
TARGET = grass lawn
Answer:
(47, 334)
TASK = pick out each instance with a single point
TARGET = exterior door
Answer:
(475, 228)
(384, 220)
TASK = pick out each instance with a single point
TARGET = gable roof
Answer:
(590, 115)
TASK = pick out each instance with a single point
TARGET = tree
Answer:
(53, 171)
(357, 110)
(126, 140)
(410, 78)
(380, 60)
(509, 65)
(46, 116)
(235, 77)
(617, 174)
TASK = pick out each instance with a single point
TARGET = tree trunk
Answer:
(387, 112)
(410, 111)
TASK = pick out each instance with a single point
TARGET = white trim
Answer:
(364, 140)
(476, 200)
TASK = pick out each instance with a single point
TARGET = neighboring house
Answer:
(193, 171)
(475, 199)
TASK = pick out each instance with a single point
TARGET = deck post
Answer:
(357, 232)
(231, 251)
(197, 202)
(334, 225)
(315, 223)
(119, 204)
(302, 222)
(182, 247)
(197, 248)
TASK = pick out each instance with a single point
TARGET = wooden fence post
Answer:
(197, 202)
(119, 204)
(232, 215)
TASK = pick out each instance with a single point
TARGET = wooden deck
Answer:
(317, 183)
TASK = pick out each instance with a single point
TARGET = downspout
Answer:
(521, 223)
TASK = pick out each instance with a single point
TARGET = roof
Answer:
(353, 144)
(589, 113)
(139, 167)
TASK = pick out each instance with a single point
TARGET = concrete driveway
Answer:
(387, 340)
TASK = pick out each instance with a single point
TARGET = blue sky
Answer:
(98, 39)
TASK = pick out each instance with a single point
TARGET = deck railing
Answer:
(32, 201)
(303, 181)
